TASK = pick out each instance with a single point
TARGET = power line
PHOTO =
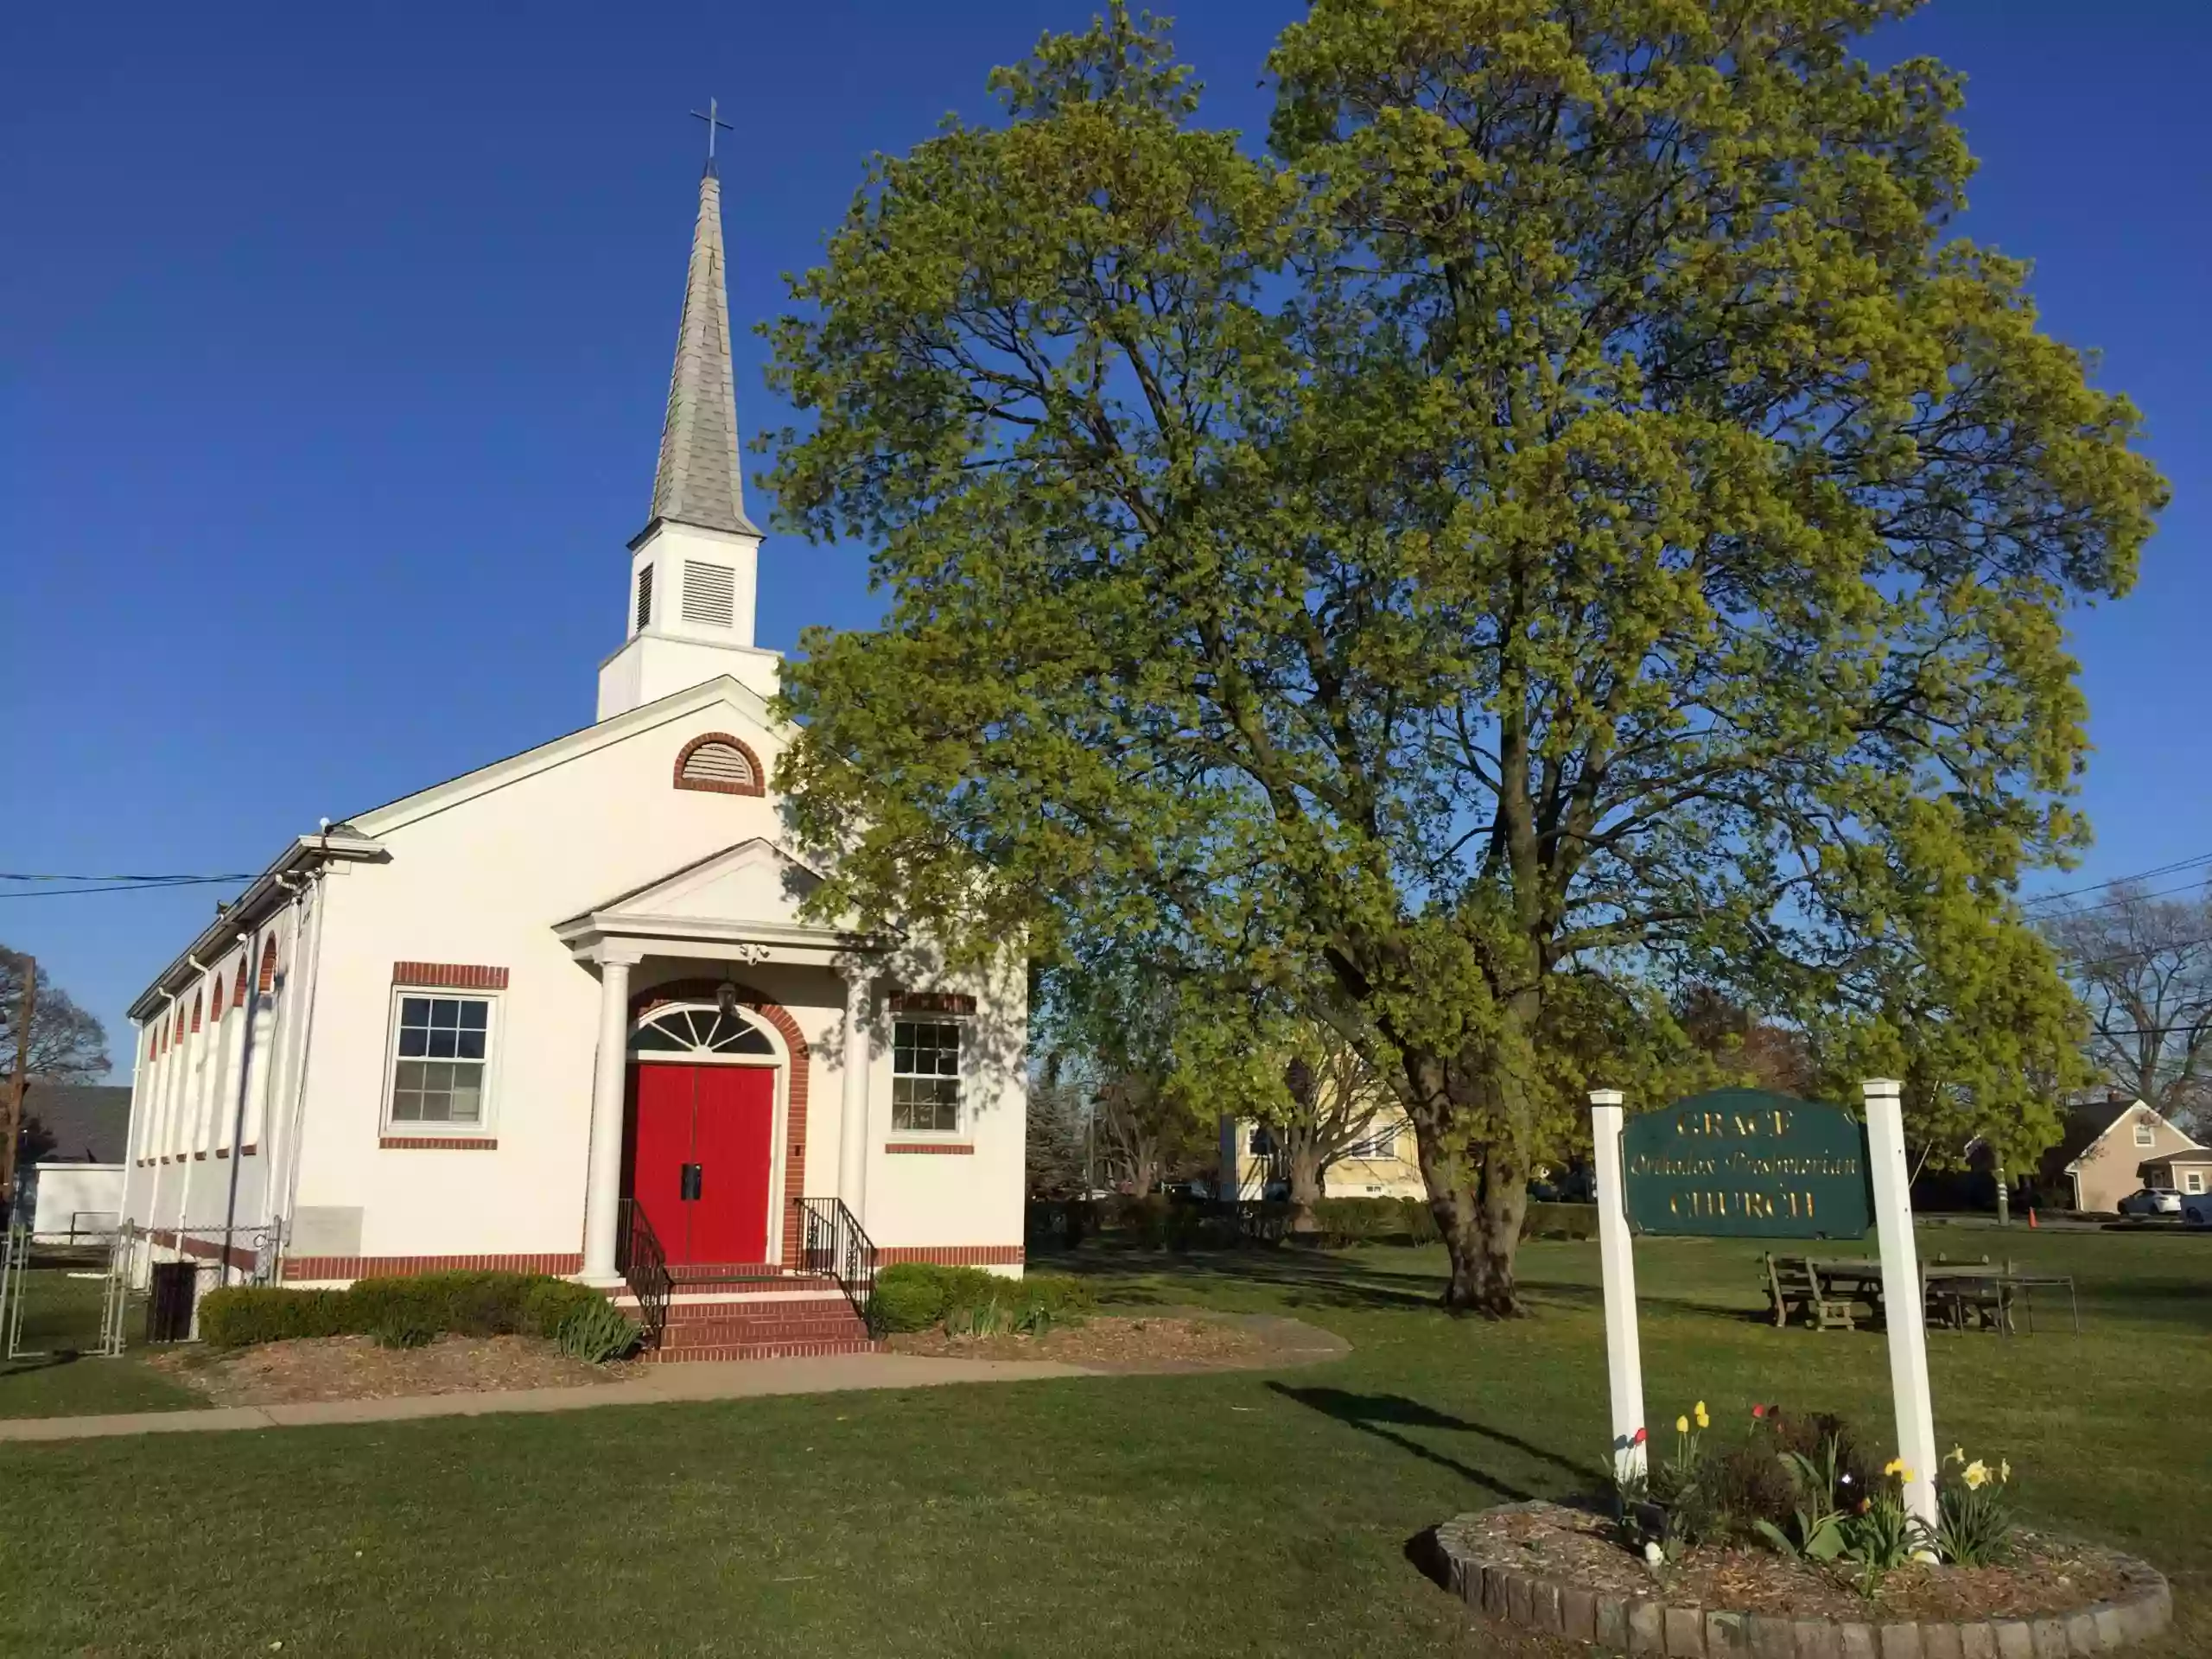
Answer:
(112, 884)
(2140, 875)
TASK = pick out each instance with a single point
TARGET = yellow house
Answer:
(1379, 1165)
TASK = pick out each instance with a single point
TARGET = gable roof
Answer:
(751, 890)
(2086, 1118)
(679, 705)
(90, 1122)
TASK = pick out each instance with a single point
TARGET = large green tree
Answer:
(1570, 515)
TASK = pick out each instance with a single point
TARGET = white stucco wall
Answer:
(483, 883)
(92, 1194)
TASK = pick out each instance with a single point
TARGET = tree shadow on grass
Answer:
(1385, 1416)
(1310, 1280)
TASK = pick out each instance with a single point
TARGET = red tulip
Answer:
(1641, 1436)
(1758, 1411)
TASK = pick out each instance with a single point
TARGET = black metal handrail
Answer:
(832, 1242)
(644, 1267)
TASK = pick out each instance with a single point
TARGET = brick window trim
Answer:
(448, 976)
(944, 1148)
(757, 786)
(953, 1255)
(438, 1143)
(955, 1002)
(561, 1262)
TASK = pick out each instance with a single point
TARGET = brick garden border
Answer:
(1467, 1561)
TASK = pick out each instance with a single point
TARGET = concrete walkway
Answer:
(654, 1385)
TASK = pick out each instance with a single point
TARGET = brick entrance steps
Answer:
(757, 1325)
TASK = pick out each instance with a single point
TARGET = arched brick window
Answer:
(177, 1036)
(719, 764)
(196, 1010)
(267, 981)
(216, 1005)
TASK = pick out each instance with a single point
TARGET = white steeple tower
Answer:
(694, 567)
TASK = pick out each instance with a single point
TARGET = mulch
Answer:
(2042, 1575)
(355, 1368)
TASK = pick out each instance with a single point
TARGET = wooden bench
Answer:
(1794, 1287)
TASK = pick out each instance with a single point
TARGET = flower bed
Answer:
(1563, 1572)
(1789, 1542)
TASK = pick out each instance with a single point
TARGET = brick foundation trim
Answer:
(248, 1150)
(952, 1256)
(438, 1143)
(941, 1148)
(203, 1250)
(448, 976)
(405, 1267)
(222, 1152)
(199, 1157)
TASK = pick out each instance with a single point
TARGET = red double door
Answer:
(701, 1143)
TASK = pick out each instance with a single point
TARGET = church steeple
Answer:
(698, 481)
(694, 567)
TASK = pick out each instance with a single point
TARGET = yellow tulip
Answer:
(1681, 1425)
(1703, 1421)
(1976, 1476)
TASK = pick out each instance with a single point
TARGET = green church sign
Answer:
(1744, 1163)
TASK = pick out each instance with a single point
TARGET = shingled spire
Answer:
(698, 482)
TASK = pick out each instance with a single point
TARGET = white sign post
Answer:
(1903, 1296)
(1617, 1261)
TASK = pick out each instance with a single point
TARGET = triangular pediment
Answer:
(754, 883)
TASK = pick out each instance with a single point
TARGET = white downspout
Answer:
(318, 893)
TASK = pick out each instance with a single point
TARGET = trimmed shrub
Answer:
(549, 1303)
(908, 1297)
(1560, 1221)
(919, 1296)
(468, 1304)
(244, 1314)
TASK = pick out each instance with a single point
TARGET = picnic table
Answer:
(1836, 1294)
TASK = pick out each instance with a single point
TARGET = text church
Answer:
(565, 1012)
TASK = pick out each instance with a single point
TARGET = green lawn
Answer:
(1239, 1514)
(61, 1320)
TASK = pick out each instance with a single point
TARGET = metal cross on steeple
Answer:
(712, 116)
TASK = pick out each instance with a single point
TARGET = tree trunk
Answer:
(1305, 1160)
(1478, 1194)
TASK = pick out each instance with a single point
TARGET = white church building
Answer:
(562, 1013)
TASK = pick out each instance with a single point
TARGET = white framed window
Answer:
(926, 1076)
(441, 1059)
(2145, 1135)
(2192, 1181)
(1381, 1142)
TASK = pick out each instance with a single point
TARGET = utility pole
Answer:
(25, 1008)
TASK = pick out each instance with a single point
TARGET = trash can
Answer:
(168, 1300)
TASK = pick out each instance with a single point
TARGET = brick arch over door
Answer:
(706, 990)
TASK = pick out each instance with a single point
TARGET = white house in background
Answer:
(505, 1020)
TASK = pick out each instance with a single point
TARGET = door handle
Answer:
(691, 1181)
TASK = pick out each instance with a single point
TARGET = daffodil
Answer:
(1681, 1425)
(1958, 1454)
(1977, 1475)
(2004, 1469)
(1896, 1466)
(1703, 1421)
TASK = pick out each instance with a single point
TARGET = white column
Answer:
(610, 1072)
(852, 1115)
(1903, 1295)
(1616, 1264)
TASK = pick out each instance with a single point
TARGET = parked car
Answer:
(2151, 1201)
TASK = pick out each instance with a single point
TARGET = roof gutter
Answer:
(269, 893)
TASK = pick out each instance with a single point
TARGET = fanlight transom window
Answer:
(700, 1031)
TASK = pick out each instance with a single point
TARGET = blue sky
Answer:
(334, 343)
